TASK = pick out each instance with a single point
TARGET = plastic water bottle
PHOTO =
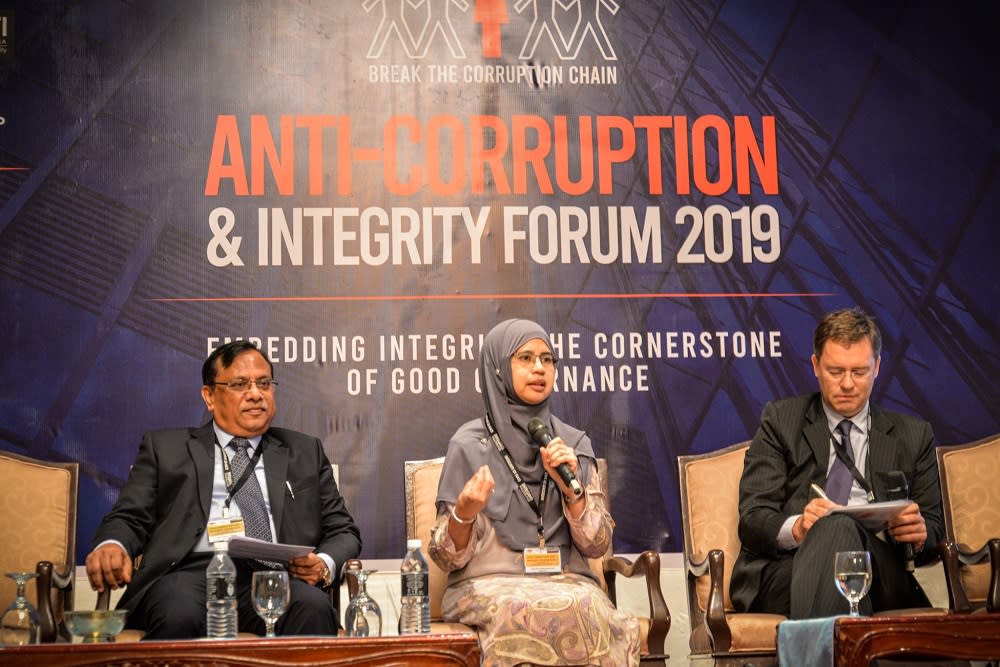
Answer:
(220, 587)
(415, 607)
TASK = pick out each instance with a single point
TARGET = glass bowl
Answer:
(95, 625)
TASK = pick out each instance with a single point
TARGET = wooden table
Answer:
(858, 641)
(459, 650)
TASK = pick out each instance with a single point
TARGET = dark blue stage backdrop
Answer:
(675, 189)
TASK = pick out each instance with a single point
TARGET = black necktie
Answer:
(839, 480)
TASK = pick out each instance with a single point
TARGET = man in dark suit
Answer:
(788, 538)
(182, 494)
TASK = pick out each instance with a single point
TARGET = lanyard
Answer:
(539, 506)
(227, 472)
(840, 449)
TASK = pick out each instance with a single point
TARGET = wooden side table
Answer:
(858, 641)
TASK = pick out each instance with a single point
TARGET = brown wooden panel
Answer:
(459, 650)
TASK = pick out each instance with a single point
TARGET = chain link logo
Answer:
(565, 26)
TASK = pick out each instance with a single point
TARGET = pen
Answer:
(290, 492)
(818, 490)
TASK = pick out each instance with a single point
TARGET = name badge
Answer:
(542, 560)
(221, 530)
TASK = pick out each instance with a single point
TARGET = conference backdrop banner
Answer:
(675, 189)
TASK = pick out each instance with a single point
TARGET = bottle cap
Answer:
(414, 544)
(221, 545)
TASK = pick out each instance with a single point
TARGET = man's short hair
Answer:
(847, 326)
(225, 354)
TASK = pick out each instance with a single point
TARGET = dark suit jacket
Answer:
(164, 507)
(791, 450)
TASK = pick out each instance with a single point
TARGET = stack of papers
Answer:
(874, 516)
(248, 547)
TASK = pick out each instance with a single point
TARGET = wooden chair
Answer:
(104, 598)
(709, 486)
(420, 484)
(970, 496)
(38, 502)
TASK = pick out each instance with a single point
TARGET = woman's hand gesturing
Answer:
(474, 495)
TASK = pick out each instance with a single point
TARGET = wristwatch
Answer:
(327, 575)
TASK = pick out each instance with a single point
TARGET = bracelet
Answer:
(570, 502)
(460, 520)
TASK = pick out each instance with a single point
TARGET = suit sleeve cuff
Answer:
(786, 541)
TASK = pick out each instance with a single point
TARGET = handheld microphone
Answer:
(899, 489)
(539, 432)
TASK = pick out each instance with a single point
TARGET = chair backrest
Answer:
(38, 501)
(710, 494)
(420, 486)
(970, 496)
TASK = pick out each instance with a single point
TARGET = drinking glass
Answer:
(852, 570)
(270, 596)
(95, 625)
(20, 625)
(363, 617)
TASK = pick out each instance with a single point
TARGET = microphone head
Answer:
(537, 430)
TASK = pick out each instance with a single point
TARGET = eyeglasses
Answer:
(857, 374)
(529, 359)
(242, 385)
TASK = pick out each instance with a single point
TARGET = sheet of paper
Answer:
(248, 547)
(874, 516)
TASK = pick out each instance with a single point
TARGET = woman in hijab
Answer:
(512, 535)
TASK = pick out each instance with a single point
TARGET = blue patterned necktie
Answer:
(839, 480)
(248, 497)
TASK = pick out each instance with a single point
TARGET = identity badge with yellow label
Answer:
(542, 560)
(222, 529)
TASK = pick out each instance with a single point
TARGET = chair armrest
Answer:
(352, 586)
(352, 581)
(954, 556)
(716, 624)
(103, 600)
(969, 556)
(648, 565)
(990, 551)
(104, 597)
(50, 579)
(958, 601)
(993, 595)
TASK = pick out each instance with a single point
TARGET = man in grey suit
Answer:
(788, 538)
(189, 487)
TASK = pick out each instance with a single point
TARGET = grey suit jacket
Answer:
(164, 506)
(791, 450)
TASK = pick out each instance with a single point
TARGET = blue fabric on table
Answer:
(807, 643)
